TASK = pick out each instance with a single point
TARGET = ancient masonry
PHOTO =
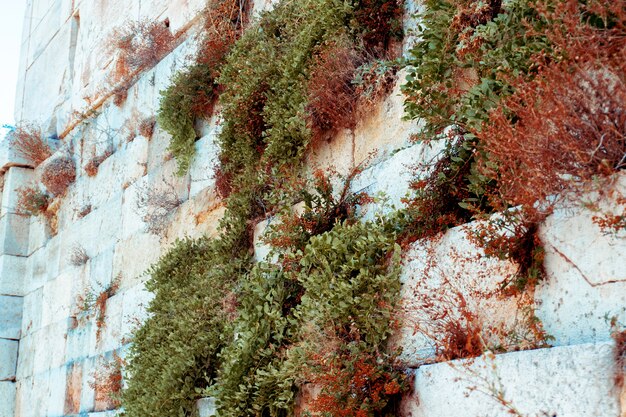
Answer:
(49, 356)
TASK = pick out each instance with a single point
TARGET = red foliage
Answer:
(28, 142)
(355, 385)
(146, 127)
(31, 200)
(141, 44)
(58, 174)
(331, 95)
(381, 20)
(91, 168)
(568, 125)
(107, 383)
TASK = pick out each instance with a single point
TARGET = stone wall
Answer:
(53, 353)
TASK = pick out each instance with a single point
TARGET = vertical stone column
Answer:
(14, 231)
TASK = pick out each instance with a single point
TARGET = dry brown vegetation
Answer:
(58, 174)
(28, 141)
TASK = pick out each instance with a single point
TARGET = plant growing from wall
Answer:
(31, 200)
(28, 141)
(58, 173)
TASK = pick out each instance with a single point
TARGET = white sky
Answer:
(12, 12)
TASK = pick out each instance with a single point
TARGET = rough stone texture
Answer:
(206, 407)
(12, 274)
(570, 381)
(7, 399)
(14, 229)
(8, 359)
(10, 317)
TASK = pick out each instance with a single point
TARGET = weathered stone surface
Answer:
(10, 316)
(8, 359)
(571, 381)
(586, 284)
(9, 157)
(203, 167)
(449, 285)
(206, 407)
(7, 398)
(12, 274)
(14, 229)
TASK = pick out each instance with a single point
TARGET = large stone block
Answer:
(451, 290)
(14, 178)
(57, 299)
(14, 230)
(32, 311)
(8, 359)
(38, 234)
(202, 169)
(142, 247)
(7, 399)
(12, 275)
(25, 358)
(572, 381)
(10, 317)
(586, 284)
(9, 157)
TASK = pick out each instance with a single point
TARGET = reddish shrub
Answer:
(31, 200)
(107, 383)
(28, 142)
(331, 95)
(91, 168)
(141, 44)
(568, 125)
(58, 174)
(382, 20)
(146, 127)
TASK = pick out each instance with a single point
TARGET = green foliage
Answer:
(467, 53)
(175, 352)
(177, 110)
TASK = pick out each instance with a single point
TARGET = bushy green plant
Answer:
(175, 352)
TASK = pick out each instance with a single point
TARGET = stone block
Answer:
(383, 129)
(570, 381)
(25, 358)
(55, 402)
(38, 234)
(142, 247)
(8, 359)
(10, 317)
(53, 257)
(205, 161)
(73, 388)
(12, 275)
(57, 299)
(135, 303)
(448, 285)
(14, 178)
(195, 217)
(32, 311)
(389, 180)
(50, 347)
(37, 271)
(7, 398)
(206, 407)
(585, 286)
(14, 229)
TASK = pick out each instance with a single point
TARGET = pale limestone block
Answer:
(585, 286)
(39, 401)
(110, 336)
(334, 155)
(87, 392)
(202, 170)
(24, 397)
(101, 268)
(32, 311)
(389, 181)
(132, 222)
(135, 304)
(133, 256)
(12, 275)
(14, 178)
(410, 23)
(570, 381)
(7, 398)
(78, 338)
(206, 407)
(57, 299)
(14, 230)
(38, 234)
(57, 378)
(73, 388)
(195, 217)
(53, 257)
(50, 345)
(37, 265)
(261, 6)
(158, 152)
(10, 316)
(447, 278)
(382, 129)
(8, 359)
(26, 357)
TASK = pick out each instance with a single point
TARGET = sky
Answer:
(10, 41)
